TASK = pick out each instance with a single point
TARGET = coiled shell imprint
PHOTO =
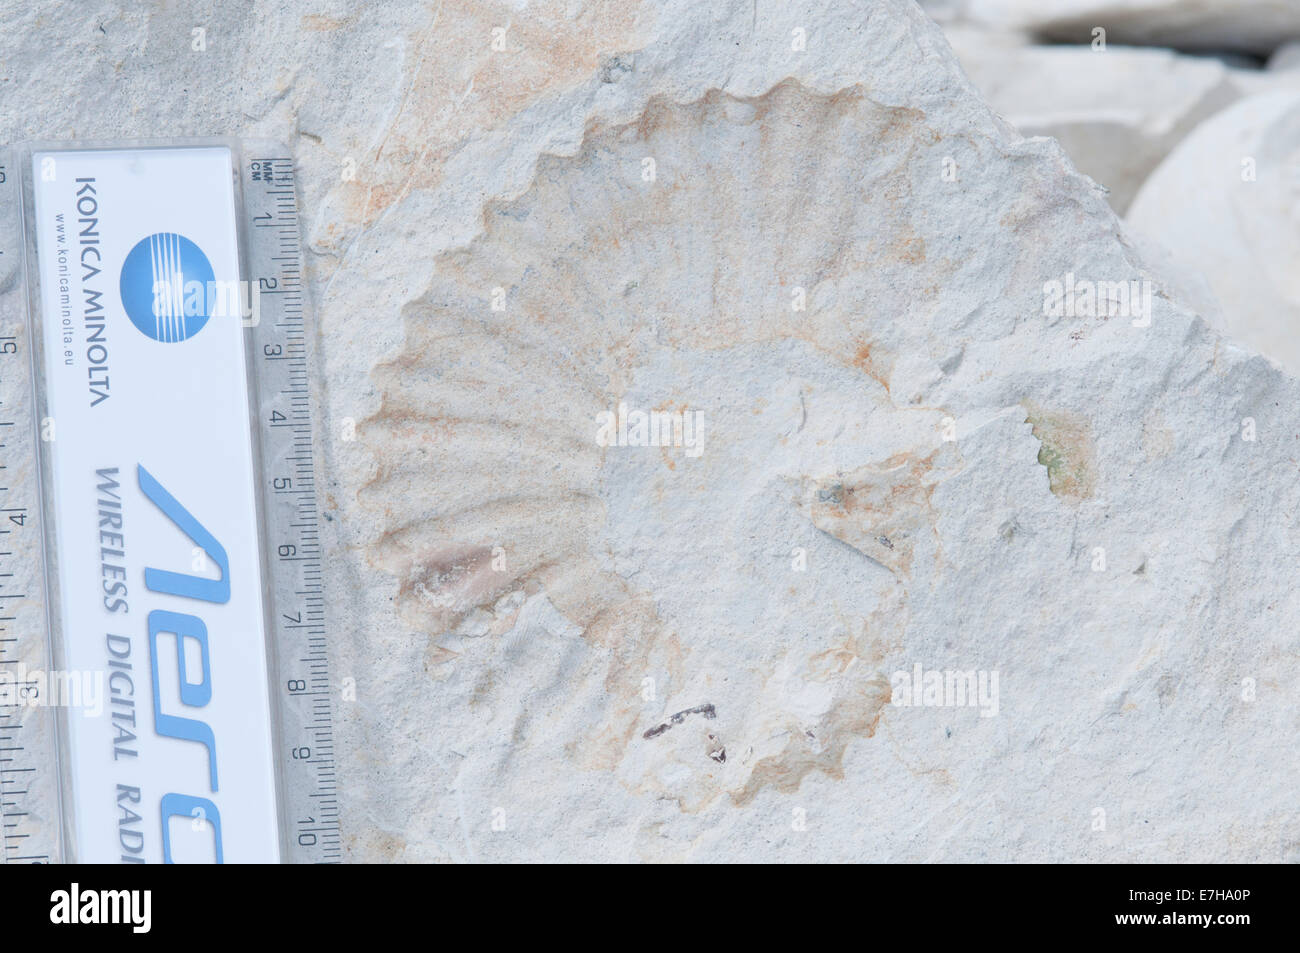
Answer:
(724, 611)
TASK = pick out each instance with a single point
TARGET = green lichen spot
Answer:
(1066, 449)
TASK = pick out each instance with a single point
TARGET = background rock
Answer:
(1248, 26)
(1116, 113)
(1285, 57)
(1226, 205)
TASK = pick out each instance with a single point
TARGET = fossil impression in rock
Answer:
(900, 459)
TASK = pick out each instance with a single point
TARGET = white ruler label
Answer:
(157, 573)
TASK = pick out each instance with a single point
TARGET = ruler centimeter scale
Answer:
(283, 353)
(29, 780)
(33, 783)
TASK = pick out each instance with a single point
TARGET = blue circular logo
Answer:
(166, 287)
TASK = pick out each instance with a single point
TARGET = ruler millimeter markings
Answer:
(29, 778)
(283, 353)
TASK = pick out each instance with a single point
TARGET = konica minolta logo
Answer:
(166, 282)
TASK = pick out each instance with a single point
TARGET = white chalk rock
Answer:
(1256, 82)
(947, 425)
(1117, 112)
(1226, 205)
(757, 418)
(1249, 26)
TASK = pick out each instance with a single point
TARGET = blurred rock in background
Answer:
(1254, 27)
(1187, 112)
(1225, 204)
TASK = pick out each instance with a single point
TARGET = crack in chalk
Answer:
(707, 711)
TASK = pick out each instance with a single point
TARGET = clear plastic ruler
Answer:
(164, 670)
